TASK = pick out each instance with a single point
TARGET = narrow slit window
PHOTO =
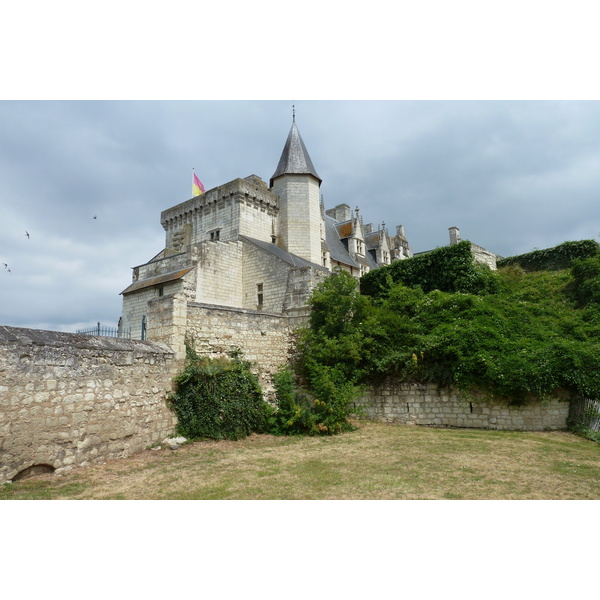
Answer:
(259, 294)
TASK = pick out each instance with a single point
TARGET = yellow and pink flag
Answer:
(197, 187)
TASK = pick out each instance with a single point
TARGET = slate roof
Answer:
(159, 279)
(337, 250)
(294, 158)
(282, 254)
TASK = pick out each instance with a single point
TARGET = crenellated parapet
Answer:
(242, 206)
(248, 190)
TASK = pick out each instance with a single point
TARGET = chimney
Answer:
(368, 228)
(400, 230)
(454, 235)
(342, 213)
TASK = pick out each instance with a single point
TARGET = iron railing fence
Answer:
(105, 331)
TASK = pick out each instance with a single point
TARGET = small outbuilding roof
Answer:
(158, 280)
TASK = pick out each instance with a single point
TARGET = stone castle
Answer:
(239, 264)
(254, 247)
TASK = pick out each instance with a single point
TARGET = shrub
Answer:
(527, 338)
(325, 412)
(217, 398)
(293, 414)
(585, 287)
(331, 353)
(553, 259)
(448, 269)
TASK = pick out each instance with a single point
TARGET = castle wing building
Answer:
(250, 246)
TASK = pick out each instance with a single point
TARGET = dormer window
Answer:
(214, 235)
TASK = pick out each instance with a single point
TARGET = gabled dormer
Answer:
(378, 244)
(350, 230)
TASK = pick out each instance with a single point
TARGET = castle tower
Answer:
(297, 184)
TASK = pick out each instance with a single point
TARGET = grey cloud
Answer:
(512, 176)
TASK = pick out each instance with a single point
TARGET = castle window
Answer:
(215, 235)
(259, 294)
(273, 239)
(161, 291)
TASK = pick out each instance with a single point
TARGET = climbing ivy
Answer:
(217, 398)
(520, 333)
(553, 259)
(448, 269)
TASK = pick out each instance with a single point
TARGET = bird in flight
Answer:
(5, 265)
(95, 217)
(27, 234)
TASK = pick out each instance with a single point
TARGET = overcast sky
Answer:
(512, 175)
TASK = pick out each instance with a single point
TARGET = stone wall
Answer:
(260, 267)
(299, 223)
(135, 308)
(68, 399)
(426, 404)
(264, 338)
(484, 256)
(219, 273)
(242, 206)
(167, 322)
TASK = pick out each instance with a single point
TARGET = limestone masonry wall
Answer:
(242, 206)
(272, 273)
(264, 338)
(426, 404)
(219, 273)
(68, 399)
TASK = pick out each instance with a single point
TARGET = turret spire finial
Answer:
(293, 113)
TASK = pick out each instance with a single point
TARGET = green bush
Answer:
(298, 413)
(448, 269)
(585, 287)
(529, 337)
(217, 398)
(553, 259)
(293, 414)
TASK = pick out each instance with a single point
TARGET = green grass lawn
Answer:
(378, 461)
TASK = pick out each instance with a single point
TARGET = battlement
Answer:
(251, 190)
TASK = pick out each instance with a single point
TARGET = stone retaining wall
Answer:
(427, 404)
(67, 399)
(264, 338)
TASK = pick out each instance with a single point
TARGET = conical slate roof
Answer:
(294, 158)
